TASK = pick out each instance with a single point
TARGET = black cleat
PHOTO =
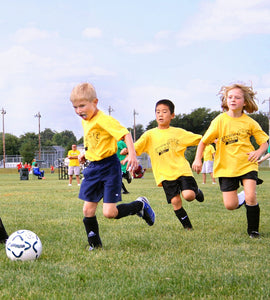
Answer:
(254, 235)
(199, 197)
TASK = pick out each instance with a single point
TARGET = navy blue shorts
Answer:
(173, 188)
(102, 179)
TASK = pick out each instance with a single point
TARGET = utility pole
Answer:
(3, 112)
(110, 110)
(268, 115)
(38, 115)
(134, 125)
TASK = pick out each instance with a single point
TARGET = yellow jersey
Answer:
(166, 148)
(74, 162)
(208, 153)
(101, 134)
(233, 134)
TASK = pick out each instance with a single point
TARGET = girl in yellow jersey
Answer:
(236, 159)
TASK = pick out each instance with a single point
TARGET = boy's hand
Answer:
(197, 166)
(124, 151)
(132, 162)
(81, 158)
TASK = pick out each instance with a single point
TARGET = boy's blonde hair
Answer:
(249, 96)
(83, 91)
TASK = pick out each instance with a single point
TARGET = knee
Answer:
(189, 195)
(109, 214)
(231, 206)
(87, 212)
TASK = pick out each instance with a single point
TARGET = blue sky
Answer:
(134, 53)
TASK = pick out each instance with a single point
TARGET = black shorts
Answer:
(228, 184)
(173, 188)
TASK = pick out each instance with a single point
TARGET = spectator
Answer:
(74, 165)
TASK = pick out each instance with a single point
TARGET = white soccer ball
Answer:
(23, 245)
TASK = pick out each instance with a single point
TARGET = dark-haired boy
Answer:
(166, 147)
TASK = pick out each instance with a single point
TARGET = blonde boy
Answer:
(103, 176)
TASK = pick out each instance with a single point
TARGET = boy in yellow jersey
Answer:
(103, 176)
(166, 147)
(208, 162)
(74, 164)
(236, 159)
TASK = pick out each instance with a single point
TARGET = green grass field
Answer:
(217, 260)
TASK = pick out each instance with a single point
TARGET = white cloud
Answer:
(144, 98)
(224, 20)
(29, 34)
(92, 32)
(163, 34)
(156, 45)
(133, 48)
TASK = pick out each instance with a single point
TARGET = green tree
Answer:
(12, 144)
(197, 121)
(138, 131)
(80, 141)
(30, 137)
(46, 137)
(64, 138)
(27, 151)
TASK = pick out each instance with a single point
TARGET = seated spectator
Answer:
(38, 172)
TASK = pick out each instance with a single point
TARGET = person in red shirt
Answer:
(19, 166)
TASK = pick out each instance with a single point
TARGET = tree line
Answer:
(197, 122)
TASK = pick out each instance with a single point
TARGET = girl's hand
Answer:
(254, 156)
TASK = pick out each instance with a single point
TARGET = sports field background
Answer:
(217, 260)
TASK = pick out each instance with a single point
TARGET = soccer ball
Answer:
(23, 245)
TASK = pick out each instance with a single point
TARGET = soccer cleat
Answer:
(129, 177)
(199, 197)
(92, 247)
(147, 212)
(254, 235)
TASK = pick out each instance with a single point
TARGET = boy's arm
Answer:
(197, 164)
(81, 157)
(131, 159)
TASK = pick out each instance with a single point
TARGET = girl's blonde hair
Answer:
(249, 96)
(83, 91)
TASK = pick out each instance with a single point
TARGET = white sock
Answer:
(241, 197)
